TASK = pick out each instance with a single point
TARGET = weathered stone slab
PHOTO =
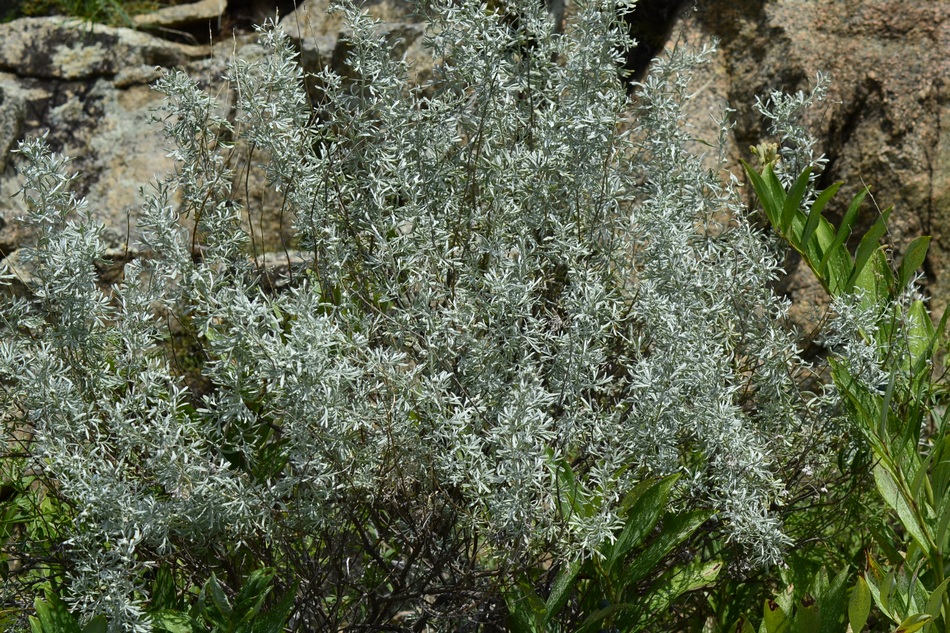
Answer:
(182, 15)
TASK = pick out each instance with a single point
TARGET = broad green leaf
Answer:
(219, 597)
(520, 618)
(675, 529)
(561, 589)
(572, 498)
(913, 259)
(831, 598)
(941, 327)
(776, 188)
(54, 615)
(250, 598)
(174, 622)
(44, 618)
(525, 609)
(743, 626)
(884, 429)
(868, 245)
(274, 619)
(774, 618)
(866, 408)
(875, 590)
(895, 599)
(770, 204)
(671, 585)
(593, 621)
(631, 497)
(817, 246)
(896, 498)
(859, 606)
(248, 612)
(943, 519)
(794, 200)
(940, 481)
(256, 584)
(96, 625)
(941, 465)
(876, 281)
(212, 595)
(882, 587)
(641, 518)
(921, 337)
(822, 200)
(913, 623)
(921, 477)
(837, 255)
(164, 592)
(814, 221)
(807, 618)
(914, 592)
(935, 601)
(786, 599)
(836, 271)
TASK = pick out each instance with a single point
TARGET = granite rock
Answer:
(182, 15)
(884, 123)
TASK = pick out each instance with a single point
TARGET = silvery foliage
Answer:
(501, 281)
(110, 422)
(783, 113)
(854, 335)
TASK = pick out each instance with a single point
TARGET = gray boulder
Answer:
(87, 88)
(182, 15)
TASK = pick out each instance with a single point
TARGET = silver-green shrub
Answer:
(511, 269)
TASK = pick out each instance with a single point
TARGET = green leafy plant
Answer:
(214, 611)
(819, 609)
(53, 616)
(910, 470)
(211, 612)
(33, 521)
(629, 581)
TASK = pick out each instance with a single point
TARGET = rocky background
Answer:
(886, 121)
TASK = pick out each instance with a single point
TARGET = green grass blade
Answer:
(814, 215)
(913, 260)
(869, 244)
(793, 201)
(767, 197)
(843, 231)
